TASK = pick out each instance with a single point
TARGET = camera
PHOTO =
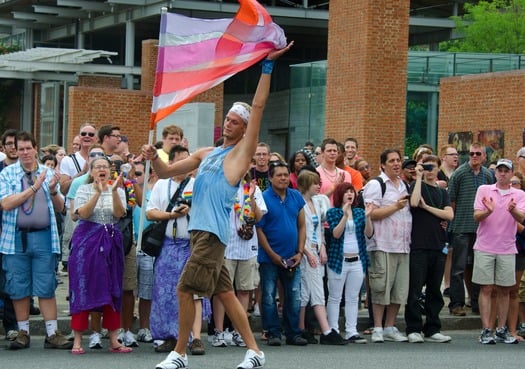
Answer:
(183, 201)
(427, 167)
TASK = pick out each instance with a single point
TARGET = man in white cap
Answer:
(497, 208)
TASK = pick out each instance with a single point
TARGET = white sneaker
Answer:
(94, 341)
(415, 338)
(218, 339)
(144, 335)
(256, 312)
(439, 338)
(228, 337)
(104, 333)
(237, 340)
(127, 339)
(11, 335)
(377, 336)
(392, 334)
(252, 360)
(173, 361)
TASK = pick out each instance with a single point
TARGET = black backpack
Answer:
(360, 198)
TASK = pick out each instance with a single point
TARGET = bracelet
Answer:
(34, 188)
(53, 193)
(155, 157)
(267, 66)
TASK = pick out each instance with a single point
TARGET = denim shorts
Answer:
(145, 275)
(31, 273)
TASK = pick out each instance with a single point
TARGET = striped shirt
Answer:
(11, 184)
(462, 189)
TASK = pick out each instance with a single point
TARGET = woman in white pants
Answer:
(347, 257)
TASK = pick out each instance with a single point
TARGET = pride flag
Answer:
(198, 54)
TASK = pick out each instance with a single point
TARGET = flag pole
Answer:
(147, 167)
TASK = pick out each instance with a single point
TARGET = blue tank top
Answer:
(213, 197)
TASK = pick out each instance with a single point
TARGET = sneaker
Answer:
(144, 335)
(11, 335)
(415, 337)
(228, 337)
(438, 338)
(104, 333)
(197, 347)
(166, 345)
(58, 341)
(503, 335)
(218, 339)
(95, 341)
(22, 341)
(274, 341)
(237, 340)
(332, 338)
(296, 341)
(377, 336)
(486, 337)
(173, 361)
(309, 337)
(356, 338)
(392, 334)
(252, 360)
(127, 338)
(256, 312)
(521, 330)
(458, 311)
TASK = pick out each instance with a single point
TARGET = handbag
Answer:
(153, 234)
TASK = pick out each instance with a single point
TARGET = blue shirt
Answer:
(213, 197)
(279, 224)
(10, 184)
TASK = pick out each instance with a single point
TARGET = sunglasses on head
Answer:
(475, 153)
(96, 154)
(90, 134)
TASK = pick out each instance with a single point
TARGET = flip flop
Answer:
(77, 351)
(121, 350)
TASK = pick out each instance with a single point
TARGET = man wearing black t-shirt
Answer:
(430, 205)
(260, 171)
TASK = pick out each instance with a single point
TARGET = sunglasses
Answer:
(317, 153)
(475, 153)
(90, 134)
(277, 163)
(515, 182)
(138, 174)
(96, 154)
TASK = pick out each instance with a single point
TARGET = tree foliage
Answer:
(496, 26)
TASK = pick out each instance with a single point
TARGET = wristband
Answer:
(267, 66)
(34, 188)
(53, 193)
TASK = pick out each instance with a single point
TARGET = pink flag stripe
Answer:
(197, 54)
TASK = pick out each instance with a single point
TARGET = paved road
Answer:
(462, 353)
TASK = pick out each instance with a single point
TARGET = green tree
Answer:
(494, 27)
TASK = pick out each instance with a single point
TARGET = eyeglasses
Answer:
(9, 144)
(116, 136)
(277, 163)
(96, 154)
(138, 174)
(98, 167)
(90, 134)
(475, 153)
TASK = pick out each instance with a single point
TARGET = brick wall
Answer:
(100, 100)
(366, 74)
(484, 102)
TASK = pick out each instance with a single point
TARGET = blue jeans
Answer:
(291, 282)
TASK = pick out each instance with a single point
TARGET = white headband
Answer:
(241, 111)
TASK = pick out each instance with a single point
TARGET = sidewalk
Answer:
(449, 322)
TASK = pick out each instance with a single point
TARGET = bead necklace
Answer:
(330, 177)
(31, 181)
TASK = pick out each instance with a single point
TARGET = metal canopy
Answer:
(64, 63)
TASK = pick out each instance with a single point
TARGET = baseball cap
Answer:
(408, 162)
(505, 162)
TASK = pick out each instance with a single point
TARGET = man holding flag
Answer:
(220, 172)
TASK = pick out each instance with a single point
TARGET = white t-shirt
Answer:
(67, 165)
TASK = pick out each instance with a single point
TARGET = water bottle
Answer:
(125, 169)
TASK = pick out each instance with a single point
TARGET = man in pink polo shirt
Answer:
(497, 208)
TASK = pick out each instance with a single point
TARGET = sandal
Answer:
(368, 331)
(77, 351)
(121, 350)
